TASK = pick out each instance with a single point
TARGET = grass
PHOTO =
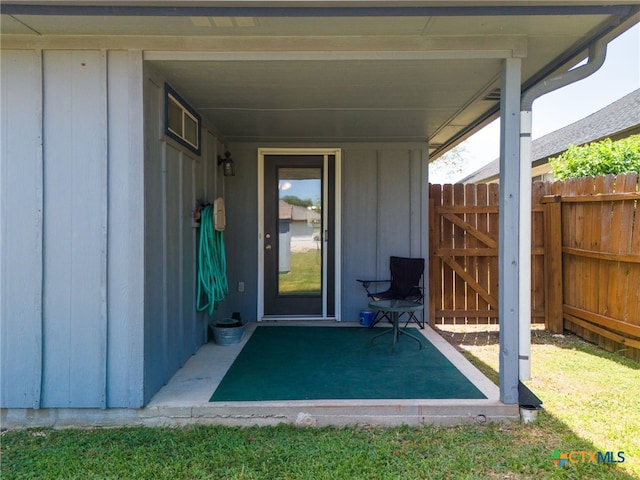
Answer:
(590, 400)
(305, 276)
(594, 392)
(286, 452)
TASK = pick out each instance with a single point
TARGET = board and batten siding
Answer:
(125, 272)
(75, 227)
(176, 180)
(72, 218)
(21, 229)
(384, 213)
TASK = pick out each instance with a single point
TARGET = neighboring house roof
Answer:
(617, 120)
(296, 213)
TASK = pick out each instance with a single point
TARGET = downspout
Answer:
(597, 54)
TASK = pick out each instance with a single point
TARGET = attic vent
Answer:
(493, 96)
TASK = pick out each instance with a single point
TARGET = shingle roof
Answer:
(617, 120)
(296, 213)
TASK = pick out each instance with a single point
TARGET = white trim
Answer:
(325, 48)
(524, 254)
(337, 228)
(184, 112)
(268, 48)
(260, 283)
(322, 56)
(297, 151)
(325, 218)
(424, 229)
(262, 152)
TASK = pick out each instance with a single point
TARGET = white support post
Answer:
(508, 248)
(524, 337)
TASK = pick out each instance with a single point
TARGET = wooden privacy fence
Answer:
(585, 274)
(594, 233)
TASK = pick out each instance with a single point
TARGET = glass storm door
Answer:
(298, 251)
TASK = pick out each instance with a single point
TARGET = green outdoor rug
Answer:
(315, 363)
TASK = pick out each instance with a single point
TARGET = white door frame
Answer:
(337, 233)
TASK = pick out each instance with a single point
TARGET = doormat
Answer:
(322, 363)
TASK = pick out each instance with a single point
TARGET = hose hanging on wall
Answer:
(212, 265)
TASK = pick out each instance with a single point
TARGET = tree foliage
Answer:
(598, 158)
(448, 166)
(301, 202)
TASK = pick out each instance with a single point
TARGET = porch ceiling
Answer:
(294, 78)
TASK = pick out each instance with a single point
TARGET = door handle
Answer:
(267, 247)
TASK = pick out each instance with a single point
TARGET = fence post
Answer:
(434, 262)
(553, 264)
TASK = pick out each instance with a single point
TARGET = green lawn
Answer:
(305, 276)
(590, 399)
(594, 393)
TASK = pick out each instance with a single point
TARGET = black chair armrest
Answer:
(366, 283)
(422, 289)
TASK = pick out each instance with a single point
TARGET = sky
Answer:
(618, 76)
(303, 189)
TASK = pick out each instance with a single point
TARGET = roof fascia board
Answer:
(304, 9)
(326, 56)
(288, 48)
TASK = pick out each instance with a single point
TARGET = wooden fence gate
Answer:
(463, 242)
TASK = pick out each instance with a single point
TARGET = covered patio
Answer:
(186, 398)
(99, 317)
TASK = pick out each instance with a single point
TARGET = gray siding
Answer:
(75, 202)
(98, 252)
(172, 257)
(71, 329)
(360, 223)
(176, 180)
(21, 229)
(384, 213)
(154, 240)
(125, 229)
(241, 234)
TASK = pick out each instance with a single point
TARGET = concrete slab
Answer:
(185, 400)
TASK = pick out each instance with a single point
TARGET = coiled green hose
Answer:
(212, 264)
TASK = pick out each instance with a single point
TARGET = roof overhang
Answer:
(332, 71)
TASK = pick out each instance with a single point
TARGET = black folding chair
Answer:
(405, 284)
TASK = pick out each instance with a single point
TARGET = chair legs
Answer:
(379, 316)
(396, 331)
(414, 318)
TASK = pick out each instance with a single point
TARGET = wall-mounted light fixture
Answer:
(227, 164)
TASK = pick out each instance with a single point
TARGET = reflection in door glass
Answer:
(300, 227)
